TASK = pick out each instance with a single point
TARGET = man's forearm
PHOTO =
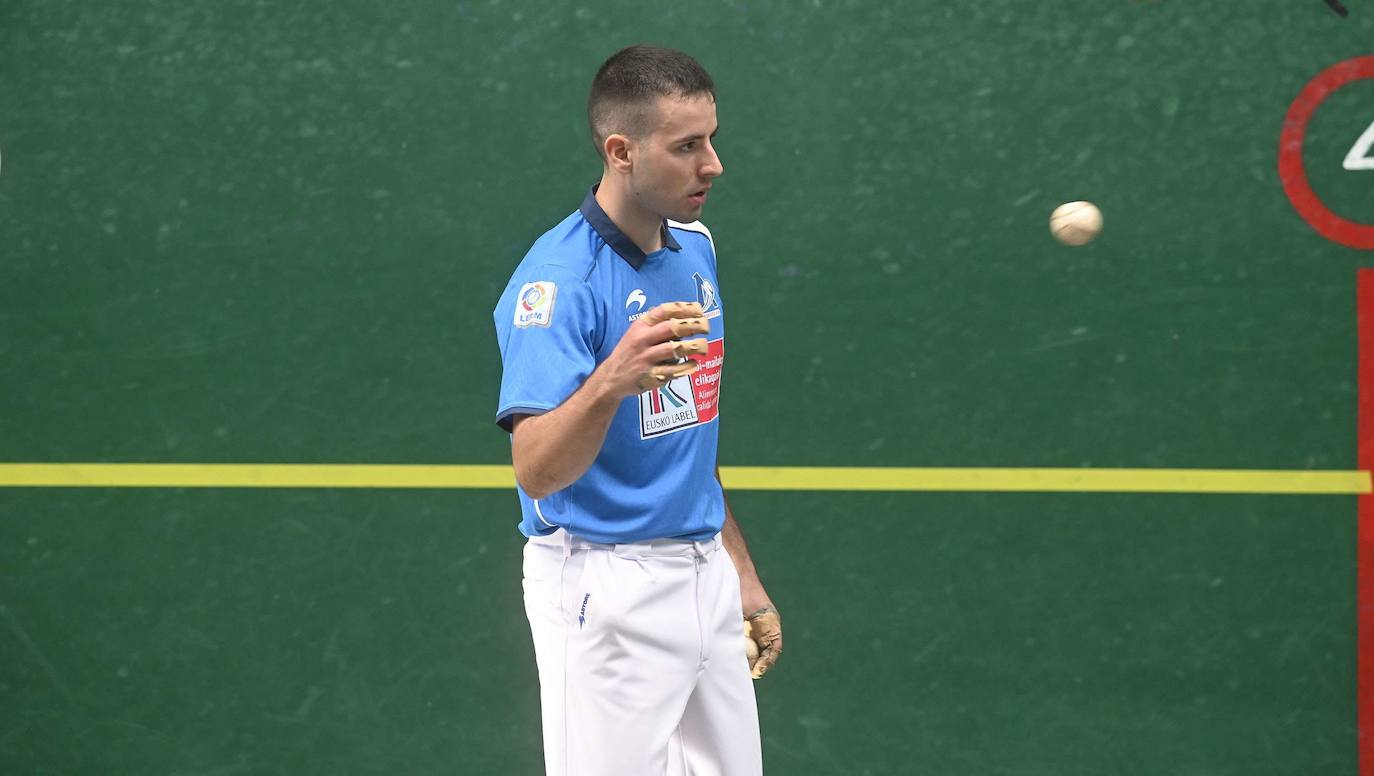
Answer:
(552, 450)
(751, 592)
(752, 595)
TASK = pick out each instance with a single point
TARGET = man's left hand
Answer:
(764, 629)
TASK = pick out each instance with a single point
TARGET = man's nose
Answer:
(713, 167)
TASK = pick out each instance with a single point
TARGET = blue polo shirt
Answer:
(568, 304)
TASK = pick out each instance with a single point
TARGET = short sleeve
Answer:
(546, 325)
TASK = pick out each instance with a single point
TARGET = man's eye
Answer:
(687, 147)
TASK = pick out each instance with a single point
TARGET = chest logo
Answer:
(636, 297)
(706, 293)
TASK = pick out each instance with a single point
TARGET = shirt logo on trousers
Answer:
(582, 615)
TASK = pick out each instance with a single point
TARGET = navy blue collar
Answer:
(619, 242)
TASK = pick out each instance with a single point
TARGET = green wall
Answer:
(273, 232)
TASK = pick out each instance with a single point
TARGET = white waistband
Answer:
(647, 549)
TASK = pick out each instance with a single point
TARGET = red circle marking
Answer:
(1294, 175)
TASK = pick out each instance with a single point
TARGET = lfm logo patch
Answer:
(534, 304)
(667, 408)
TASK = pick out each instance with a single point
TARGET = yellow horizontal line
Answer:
(1051, 480)
(151, 475)
(212, 475)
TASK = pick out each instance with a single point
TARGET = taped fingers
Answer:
(691, 347)
(662, 374)
(669, 310)
(684, 327)
(671, 322)
(667, 370)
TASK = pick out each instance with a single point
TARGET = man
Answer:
(634, 610)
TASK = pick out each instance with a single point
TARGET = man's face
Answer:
(675, 163)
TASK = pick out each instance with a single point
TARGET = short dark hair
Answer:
(629, 84)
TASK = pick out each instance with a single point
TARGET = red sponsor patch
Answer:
(687, 401)
(706, 381)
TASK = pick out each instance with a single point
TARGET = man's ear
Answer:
(618, 150)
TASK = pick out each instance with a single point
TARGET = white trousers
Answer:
(640, 649)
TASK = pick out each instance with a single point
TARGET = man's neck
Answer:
(644, 229)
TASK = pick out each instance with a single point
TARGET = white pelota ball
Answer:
(1076, 223)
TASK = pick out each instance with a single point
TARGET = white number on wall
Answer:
(1359, 157)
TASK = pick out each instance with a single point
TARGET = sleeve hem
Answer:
(505, 415)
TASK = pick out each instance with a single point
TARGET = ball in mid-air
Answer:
(1076, 223)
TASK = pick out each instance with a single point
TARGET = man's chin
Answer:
(687, 216)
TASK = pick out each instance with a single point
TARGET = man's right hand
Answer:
(552, 450)
(652, 352)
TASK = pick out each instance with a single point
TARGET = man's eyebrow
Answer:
(697, 136)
